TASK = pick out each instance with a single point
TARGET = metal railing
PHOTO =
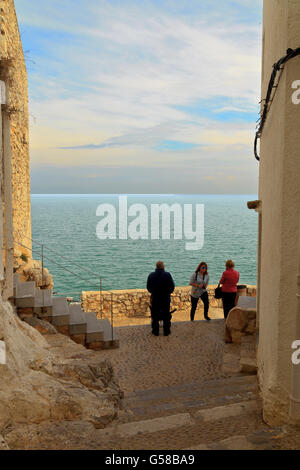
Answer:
(44, 248)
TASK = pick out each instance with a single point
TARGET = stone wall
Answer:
(13, 72)
(135, 302)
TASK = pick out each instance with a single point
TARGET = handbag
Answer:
(218, 292)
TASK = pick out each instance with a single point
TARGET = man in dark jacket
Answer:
(161, 285)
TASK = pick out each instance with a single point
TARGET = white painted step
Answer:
(78, 323)
(94, 332)
(43, 298)
(25, 294)
(110, 337)
(60, 311)
(168, 423)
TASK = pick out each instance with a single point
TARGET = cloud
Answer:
(124, 80)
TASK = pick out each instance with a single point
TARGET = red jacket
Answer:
(229, 280)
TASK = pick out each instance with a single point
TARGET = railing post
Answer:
(111, 316)
(42, 266)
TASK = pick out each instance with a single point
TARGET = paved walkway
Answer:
(192, 353)
(179, 316)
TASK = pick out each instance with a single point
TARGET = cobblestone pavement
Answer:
(192, 353)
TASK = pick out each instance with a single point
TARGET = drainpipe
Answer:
(295, 393)
(257, 206)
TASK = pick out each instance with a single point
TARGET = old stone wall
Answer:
(13, 72)
(279, 192)
(135, 302)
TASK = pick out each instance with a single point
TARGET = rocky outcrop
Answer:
(42, 326)
(40, 383)
(31, 270)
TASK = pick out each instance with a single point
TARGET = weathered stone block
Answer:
(63, 329)
(237, 319)
(41, 326)
(251, 327)
(79, 339)
(43, 311)
(96, 345)
(25, 312)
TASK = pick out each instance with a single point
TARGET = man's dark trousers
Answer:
(161, 313)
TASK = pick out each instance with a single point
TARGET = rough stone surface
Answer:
(237, 319)
(32, 271)
(41, 326)
(63, 329)
(96, 345)
(239, 323)
(39, 384)
(3, 445)
(248, 358)
(79, 339)
(228, 411)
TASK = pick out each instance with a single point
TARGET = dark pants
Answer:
(160, 312)
(194, 300)
(228, 299)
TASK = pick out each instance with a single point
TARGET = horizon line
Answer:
(144, 194)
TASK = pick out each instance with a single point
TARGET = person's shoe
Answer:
(207, 318)
(155, 334)
(167, 334)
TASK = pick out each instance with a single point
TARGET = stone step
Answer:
(16, 280)
(188, 397)
(25, 294)
(248, 358)
(110, 336)
(60, 314)
(94, 332)
(183, 430)
(262, 439)
(43, 303)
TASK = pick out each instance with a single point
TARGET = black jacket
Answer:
(161, 285)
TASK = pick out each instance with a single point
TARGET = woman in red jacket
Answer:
(229, 283)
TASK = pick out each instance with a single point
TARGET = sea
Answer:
(65, 227)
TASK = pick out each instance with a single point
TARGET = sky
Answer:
(142, 96)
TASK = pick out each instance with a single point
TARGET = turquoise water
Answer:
(67, 224)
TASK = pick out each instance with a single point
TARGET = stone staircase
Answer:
(68, 318)
(219, 414)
